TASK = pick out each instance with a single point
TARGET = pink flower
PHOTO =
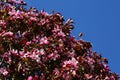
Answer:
(106, 68)
(44, 13)
(13, 0)
(8, 34)
(57, 30)
(66, 76)
(73, 72)
(61, 34)
(112, 77)
(12, 12)
(30, 78)
(90, 60)
(54, 55)
(42, 77)
(2, 22)
(14, 51)
(72, 63)
(22, 53)
(3, 71)
(107, 78)
(42, 52)
(28, 43)
(44, 40)
(33, 19)
(36, 77)
(9, 60)
(56, 71)
(88, 76)
(50, 55)
(19, 1)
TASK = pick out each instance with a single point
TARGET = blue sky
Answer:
(99, 20)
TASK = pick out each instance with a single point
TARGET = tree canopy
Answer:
(36, 45)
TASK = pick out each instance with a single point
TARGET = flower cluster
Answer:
(35, 45)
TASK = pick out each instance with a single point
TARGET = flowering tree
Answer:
(36, 45)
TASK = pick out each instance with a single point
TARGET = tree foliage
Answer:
(35, 45)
